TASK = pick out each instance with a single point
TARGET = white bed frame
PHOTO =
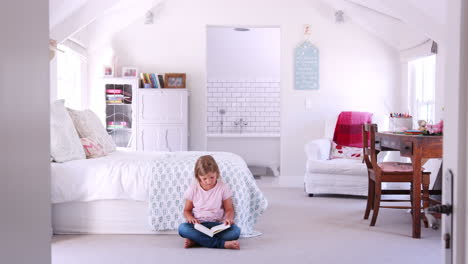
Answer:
(102, 217)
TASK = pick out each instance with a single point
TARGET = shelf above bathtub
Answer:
(243, 135)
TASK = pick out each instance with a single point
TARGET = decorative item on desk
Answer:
(422, 125)
(108, 71)
(413, 132)
(174, 80)
(437, 129)
(130, 72)
(399, 122)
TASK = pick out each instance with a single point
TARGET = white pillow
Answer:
(64, 141)
(88, 125)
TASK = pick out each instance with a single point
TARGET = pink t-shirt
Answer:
(208, 205)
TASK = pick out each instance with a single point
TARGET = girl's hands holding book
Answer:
(228, 221)
(192, 220)
(228, 212)
(188, 212)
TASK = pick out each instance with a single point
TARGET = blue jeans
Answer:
(187, 230)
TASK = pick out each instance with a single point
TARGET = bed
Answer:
(128, 192)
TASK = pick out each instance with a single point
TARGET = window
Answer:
(71, 77)
(421, 88)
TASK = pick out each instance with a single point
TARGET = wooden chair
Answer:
(386, 172)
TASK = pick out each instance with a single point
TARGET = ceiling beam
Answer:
(80, 19)
(409, 14)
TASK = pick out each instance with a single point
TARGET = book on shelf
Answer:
(150, 80)
(114, 91)
(114, 96)
(145, 78)
(211, 231)
(161, 80)
(114, 101)
(120, 123)
(116, 126)
(154, 80)
(142, 78)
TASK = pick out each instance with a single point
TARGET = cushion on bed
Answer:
(88, 125)
(92, 148)
(65, 144)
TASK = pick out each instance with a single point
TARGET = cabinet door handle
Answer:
(142, 140)
(142, 108)
(167, 141)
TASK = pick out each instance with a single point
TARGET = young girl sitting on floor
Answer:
(209, 202)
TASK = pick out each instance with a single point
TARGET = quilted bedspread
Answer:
(172, 175)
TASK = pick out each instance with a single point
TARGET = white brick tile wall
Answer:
(256, 101)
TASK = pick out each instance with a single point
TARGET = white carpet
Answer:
(297, 229)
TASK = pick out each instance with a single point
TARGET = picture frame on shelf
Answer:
(108, 71)
(129, 72)
(174, 80)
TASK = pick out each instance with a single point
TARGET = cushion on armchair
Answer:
(337, 167)
(344, 152)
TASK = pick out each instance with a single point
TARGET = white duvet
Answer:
(120, 175)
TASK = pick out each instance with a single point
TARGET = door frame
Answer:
(455, 131)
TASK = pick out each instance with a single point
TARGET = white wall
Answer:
(357, 70)
(243, 54)
(24, 113)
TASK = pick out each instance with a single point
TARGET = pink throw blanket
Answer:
(348, 130)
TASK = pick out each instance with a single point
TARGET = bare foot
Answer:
(188, 243)
(232, 244)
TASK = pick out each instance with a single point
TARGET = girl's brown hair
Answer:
(204, 165)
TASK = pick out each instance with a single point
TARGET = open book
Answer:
(211, 231)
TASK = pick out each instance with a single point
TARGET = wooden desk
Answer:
(418, 148)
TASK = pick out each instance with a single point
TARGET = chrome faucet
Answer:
(241, 123)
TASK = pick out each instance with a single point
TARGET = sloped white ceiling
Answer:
(402, 24)
(435, 9)
(381, 22)
(59, 10)
(81, 19)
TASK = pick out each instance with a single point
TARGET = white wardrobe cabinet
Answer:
(162, 138)
(162, 120)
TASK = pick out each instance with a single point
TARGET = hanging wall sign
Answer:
(306, 67)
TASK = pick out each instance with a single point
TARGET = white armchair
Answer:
(333, 176)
